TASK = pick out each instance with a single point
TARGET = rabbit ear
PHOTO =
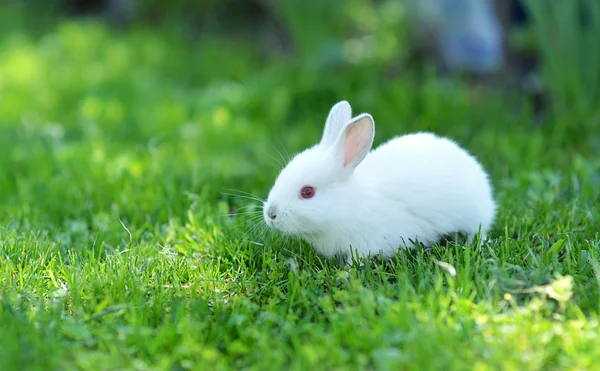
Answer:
(355, 142)
(338, 117)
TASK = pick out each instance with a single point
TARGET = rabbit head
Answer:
(314, 191)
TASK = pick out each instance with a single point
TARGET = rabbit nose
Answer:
(272, 212)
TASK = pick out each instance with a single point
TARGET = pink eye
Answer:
(307, 192)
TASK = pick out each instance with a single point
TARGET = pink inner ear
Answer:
(353, 143)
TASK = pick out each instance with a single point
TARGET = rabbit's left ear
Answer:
(355, 141)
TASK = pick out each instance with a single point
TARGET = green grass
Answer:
(117, 248)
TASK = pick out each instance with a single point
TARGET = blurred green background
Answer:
(253, 74)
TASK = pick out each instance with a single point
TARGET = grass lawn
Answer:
(124, 156)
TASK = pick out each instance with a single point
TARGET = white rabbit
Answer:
(341, 197)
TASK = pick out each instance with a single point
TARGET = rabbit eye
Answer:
(307, 192)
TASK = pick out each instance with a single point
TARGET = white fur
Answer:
(414, 187)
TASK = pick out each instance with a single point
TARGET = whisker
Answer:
(286, 152)
(253, 220)
(256, 219)
(249, 206)
(245, 210)
(251, 198)
(242, 194)
(245, 213)
(278, 165)
(281, 155)
(257, 226)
